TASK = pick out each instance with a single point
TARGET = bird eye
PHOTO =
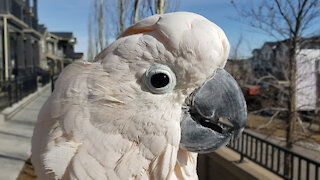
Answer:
(160, 79)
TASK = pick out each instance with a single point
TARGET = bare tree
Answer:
(121, 14)
(97, 25)
(149, 7)
(160, 6)
(112, 17)
(136, 11)
(90, 41)
(101, 22)
(238, 66)
(235, 49)
(284, 19)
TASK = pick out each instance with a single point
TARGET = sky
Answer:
(73, 15)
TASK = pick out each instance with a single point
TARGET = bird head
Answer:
(170, 68)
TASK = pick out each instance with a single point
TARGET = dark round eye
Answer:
(160, 80)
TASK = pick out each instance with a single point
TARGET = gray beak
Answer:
(219, 97)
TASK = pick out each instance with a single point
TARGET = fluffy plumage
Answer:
(102, 122)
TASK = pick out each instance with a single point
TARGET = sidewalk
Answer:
(16, 132)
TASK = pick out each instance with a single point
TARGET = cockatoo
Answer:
(144, 107)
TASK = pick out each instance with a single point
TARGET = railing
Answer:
(12, 91)
(16, 9)
(21, 12)
(279, 160)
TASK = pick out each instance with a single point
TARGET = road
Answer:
(16, 133)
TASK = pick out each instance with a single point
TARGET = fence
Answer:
(13, 90)
(279, 160)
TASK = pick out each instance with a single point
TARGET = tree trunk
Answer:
(292, 109)
(96, 26)
(293, 115)
(160, 6)
(121, 4)
(136, 11)
(101, 25)
(90, 41)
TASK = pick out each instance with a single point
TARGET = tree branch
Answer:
(284, 16)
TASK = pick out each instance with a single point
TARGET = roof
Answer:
(313, 38)
(240, 59)
(271, 43)
(42, 28)
(303, 42)
(258, 50)
(77, 55)
(63, 35)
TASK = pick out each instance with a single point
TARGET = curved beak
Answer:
(219, 97)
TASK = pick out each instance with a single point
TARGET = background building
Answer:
(57, 50)
(19, 39)
(29, 53)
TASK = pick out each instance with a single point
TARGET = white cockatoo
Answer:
(144, 108)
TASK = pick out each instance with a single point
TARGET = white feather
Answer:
(59, 156)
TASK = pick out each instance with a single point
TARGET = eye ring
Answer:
(160, 79)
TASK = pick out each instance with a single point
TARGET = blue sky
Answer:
(222, 13)
(72, 15)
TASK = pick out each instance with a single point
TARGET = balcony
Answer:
(20, 11)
